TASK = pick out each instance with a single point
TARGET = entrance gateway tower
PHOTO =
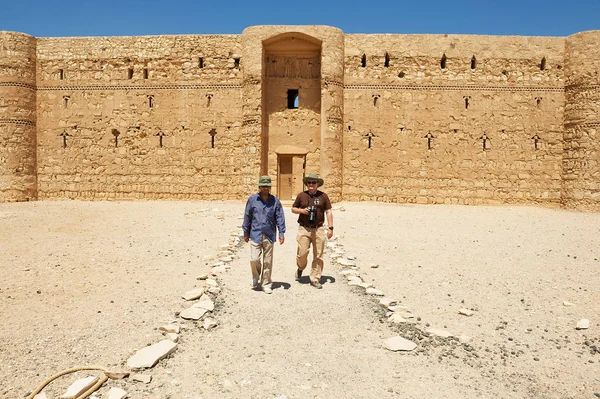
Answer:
(458, 119)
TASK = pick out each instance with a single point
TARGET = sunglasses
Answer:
(311, 182)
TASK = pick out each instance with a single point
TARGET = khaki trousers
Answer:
(263, 250)
(306, 237)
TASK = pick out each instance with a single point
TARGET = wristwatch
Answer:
(330, 227)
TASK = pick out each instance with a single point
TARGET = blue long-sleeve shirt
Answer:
(262, 217)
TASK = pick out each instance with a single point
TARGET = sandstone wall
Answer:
(581, 162)
(17, 117)
(105, 103)
(408, 100)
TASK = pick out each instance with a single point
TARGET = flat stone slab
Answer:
(116, 393)
(211, 282)
(205, 304)
(387, 302)
(193, 313)
(209, 323)
(374, 291)
(398, 308)
(150, 355)
(172, 336)
(365, 285)
(399, 344)
(583, 324)
(345, 262)
(194, 293)
(438, 332)
(79, 386)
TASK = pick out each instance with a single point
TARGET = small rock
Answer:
(374, 266)
(214, 290)
(465, 312)
(172, 336)
(145, 378)
(353, 282)
(374, 291)
(170, 328)
(399, 308)
(583, 324)
(399, 344)
(351, 257)
(205, 304)
(194, 293)
(345, 262)
(150, 355)
(365, 285)
(202, 277)
(79, 386)
(464, 338)
(212, 282)
(387, 302)
(209, 323)
(567, 303)
(116, 393)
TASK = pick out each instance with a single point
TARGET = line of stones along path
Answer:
(298, 342)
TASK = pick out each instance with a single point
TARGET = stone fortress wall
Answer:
(459, 119)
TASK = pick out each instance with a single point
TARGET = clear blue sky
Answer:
(53, 18)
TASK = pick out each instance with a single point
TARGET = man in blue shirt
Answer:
(263, 214)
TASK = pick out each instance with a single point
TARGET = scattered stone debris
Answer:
(396, 318)
(209, 323)
(398, 343)
(170, 328)
(202, 276)
(374, 291)
(172, 336)
(439, 332)
(150, 355)
(193, 313)
(345, 261)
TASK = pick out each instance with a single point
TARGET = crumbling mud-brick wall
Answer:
(453, 119)
(139, 117)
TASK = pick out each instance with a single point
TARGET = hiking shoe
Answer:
(316, 284)
(298, 274)
(267, 289)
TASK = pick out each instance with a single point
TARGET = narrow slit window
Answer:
(150, 101)
(443, 62)
(473, 62)
(292, 99)
(61, 74)
(543, 64)
(201, 62)
(387, 60)
(130, 73)
(66, 101)
(363, 61)
(145, 73)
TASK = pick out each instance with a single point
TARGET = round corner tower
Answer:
(581, 158)
(18, 172)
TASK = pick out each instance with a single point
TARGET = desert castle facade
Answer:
(458, 119)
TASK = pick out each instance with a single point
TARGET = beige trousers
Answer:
(306, 237)
(263, 250)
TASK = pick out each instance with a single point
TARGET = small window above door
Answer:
(292, 98)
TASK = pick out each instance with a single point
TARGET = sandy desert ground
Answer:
(89, 283)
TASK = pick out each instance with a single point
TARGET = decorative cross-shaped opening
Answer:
(369, 137)
(116, 133)
(64, 135)
(375, 98)
(484, 139)
(467, 98)
(429, 138)
(536, 140)
(212, 133)
(293, 98)
(538, 100)
(160, 135)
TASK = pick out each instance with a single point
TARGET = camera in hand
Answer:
(312, 215)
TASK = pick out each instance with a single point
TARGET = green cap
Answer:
(264, 181)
